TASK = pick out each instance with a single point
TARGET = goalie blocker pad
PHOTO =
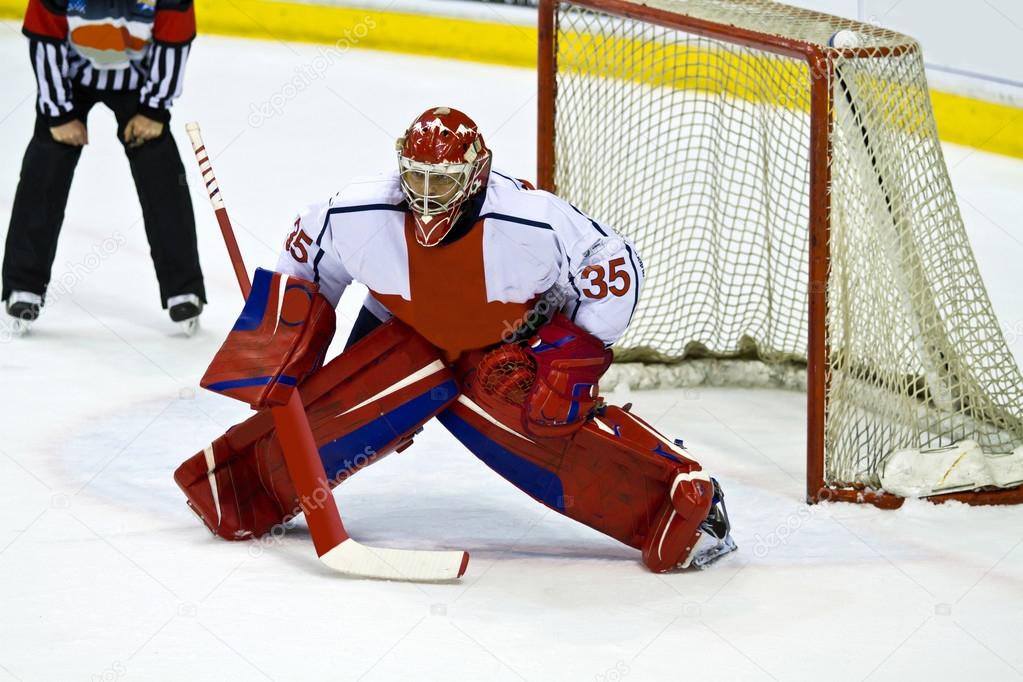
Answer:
(280, 338)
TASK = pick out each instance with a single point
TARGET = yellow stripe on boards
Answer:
(979, 124)
(347, 27)
(961, 120)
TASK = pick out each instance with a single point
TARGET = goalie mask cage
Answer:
(791, 203)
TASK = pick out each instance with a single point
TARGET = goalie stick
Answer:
(335, 548)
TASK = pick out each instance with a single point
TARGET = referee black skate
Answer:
(129, 55)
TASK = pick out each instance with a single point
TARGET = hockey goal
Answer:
(780, 172)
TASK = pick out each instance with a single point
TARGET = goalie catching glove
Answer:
(554, 377)
(280, 339)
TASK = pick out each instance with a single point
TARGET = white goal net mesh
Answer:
(698, 149)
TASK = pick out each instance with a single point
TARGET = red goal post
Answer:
(593, 45)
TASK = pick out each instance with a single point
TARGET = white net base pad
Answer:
(706, 372)
(956, 466)
(961, 467)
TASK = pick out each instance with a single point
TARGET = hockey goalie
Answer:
(492, 307)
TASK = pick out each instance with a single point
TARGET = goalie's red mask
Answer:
(443, 163)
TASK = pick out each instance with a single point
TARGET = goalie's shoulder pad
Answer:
(280, 338)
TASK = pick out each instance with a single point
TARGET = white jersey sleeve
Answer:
(309, 253)
(587, 271)
(601, 275)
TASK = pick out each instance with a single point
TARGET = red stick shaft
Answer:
(233, 251)
(307, 473)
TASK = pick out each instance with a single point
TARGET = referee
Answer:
(129, 55)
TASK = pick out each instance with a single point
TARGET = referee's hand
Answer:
(73, 133)
(140, 130)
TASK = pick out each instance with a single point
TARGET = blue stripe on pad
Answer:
(255, 304)
(222, 386)
(350, 450)
(532, 479)
(573, 411)
(558, 343)
(664, 453)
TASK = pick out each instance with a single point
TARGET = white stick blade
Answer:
(361, 561)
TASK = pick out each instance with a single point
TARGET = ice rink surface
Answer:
(104, 573)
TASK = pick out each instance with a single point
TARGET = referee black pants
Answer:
(42, 195)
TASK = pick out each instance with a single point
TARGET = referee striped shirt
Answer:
(121, 46)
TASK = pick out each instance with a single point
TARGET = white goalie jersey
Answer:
(520, 252)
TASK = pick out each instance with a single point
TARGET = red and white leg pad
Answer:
(363, 405)
(225, 492)
(616, 474)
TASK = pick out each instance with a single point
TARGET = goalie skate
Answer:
(715, 539)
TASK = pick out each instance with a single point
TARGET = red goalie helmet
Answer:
(444, 162)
